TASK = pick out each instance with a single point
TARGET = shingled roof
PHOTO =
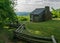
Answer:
(38, 11)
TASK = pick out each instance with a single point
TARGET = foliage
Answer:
(6, 11)
(56, 13)
(23, 18)
(7, 14)
(10, 34)
(1, 41)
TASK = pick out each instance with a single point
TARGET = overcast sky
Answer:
(30, 5)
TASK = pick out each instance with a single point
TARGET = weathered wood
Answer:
(26, 37)
(36, 37)
(22, 26)
(41, 14)
(53, 39)
(31, 39)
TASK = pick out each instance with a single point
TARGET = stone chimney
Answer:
(47, 12)
(47, 8)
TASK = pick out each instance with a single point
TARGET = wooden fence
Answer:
(32, 39)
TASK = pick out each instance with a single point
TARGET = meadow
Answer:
(45, 29)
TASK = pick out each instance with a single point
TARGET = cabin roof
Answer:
(37, 11)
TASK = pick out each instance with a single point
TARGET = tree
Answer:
(56, 13)
(7, 13)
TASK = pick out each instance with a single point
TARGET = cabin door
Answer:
(36, 18)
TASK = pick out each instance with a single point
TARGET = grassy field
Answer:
(46, 28)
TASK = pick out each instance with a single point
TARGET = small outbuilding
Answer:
(41, 14)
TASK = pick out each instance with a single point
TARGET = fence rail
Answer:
(32, 39)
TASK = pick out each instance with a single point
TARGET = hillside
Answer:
(22, 13)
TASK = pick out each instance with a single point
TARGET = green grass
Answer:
(46, 28)
(21, 17)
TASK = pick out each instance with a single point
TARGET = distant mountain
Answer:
(57, 9)
(22, 13)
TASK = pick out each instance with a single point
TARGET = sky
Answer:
(30, 5)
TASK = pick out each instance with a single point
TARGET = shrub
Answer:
(10, 34)
(55, 16)
(56, 13)
(24, 19)
(2, 41)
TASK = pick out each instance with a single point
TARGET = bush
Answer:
(24, 19)
(56, 13)
(2, 41)
(55, 16)
(10, 34)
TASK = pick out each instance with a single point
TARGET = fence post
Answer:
(53, 39)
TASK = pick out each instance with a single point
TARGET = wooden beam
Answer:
(19, 27)
(53, 39)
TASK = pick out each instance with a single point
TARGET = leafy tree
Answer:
(56, 13)
(7, 11)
